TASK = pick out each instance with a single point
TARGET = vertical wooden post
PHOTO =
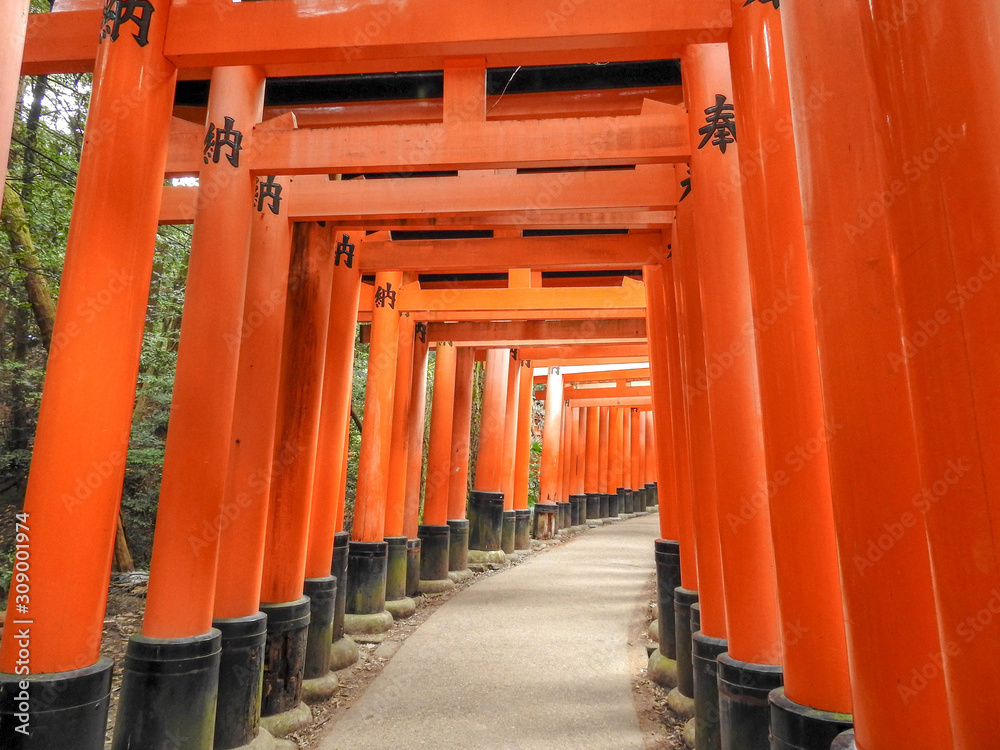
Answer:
(11, 49)
(398, 451)
(864, 348)
(604, 435)
(524, 414)
(439, 452)
(415, 439)
(545, 516)
(461, 427)
(510, 430)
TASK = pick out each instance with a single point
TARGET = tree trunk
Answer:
(122, 562)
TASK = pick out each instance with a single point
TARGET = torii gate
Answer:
(734, 323)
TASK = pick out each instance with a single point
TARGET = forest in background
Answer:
(34, 221)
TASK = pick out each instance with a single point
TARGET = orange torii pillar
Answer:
(435, 532)
(414, 459)
(604, 416)
(397, 603)
(641, 454)
(510, 453)
(546, 509)
(567, 475)
(177, 624)
(869, 366)
(282, 593)
(630, 507)
(650, 463)
(815, 702)
(751, 664)
(327, 551)
(241, 546)
(565, 518)
(590, 436)
(11, 49)
(458, 482)
(636, 457)
(367, 553)
(78, 465)
(660, 326)
(486, 500)
(950, 303)
(614, 486)
(522, 464)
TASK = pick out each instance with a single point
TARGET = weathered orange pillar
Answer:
(604, 431)
(398, 451)
(569, 490)
(242, 535)
(894, 646)
(81, 441)
(614, 487)
(754, 644)
(510, 452)
(590, 448)
(11, 49)
(650, 462)
(522, 466)
(435, 532)
(546, 508)
(486, 500)
(808, 711)
(181, 594)
(328, 542)
(630, 500)
(640, 454)
(368, 551)
(937, 145)
(415, 438)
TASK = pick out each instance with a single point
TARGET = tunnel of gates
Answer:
(799, 241)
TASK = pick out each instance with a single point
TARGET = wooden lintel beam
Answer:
(631, 401)
(608, 376)
(580, 394)
(503, 303)
(518, 333)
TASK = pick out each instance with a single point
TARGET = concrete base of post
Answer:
(370, 628)
(653, 631)
(319, 689)
(281, 725)
(522, 530)
(705, 654)
(508, 531)
(544, 521)
(169, 693)
(396, 567)
(744, 708)
(401, 609)
(458, 551)
(486, 559)
(844, 741)
(414, 548)
(661, 670)
(668, 577)
(683, 601)
(284, 655)
(322, 593)
(457, 576)
(241, 675)
(797, 727)
(366, 619)
(680, 704)
(263, 740)
(690, 734)
(344, 653)
(61, 704)
(432, 588)
(485, 520)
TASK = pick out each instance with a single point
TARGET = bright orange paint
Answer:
(181, 592)
(11, 47)
(489, 471)
(330, 474)
(248, 483)
(591, 437)
(415, 437)
(376, 431)
(307, 320)
(551, 440)
(578, 450)
(439, 451)
(522, 464)
(602, 449)
(874, 469)
(510, 431)
(399, 447)
(461, 429)
(636, 453)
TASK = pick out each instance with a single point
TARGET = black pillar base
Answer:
(485, 520)
(651, 499)
(170, 687)
(435, 544)
(796, 727)
(339, 571)
(614, 507)
(605, 505)
(241, 676)
(844, 741)
(593, 506)
(695, 617)
(668, 578)
(508, 531)
(522, 529)
(322, 593)
(395, 570)
(705, 652)
(683, 599)
(744, 708)
(284, 655)
(544, 521)
(366, 572)
(577, 510)
(459, 545)
(639, 500)
(629, 499)
(59, 709)
(413, 551)
(565, 515)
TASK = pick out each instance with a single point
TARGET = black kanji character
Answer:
(686, 184)
(721, 121)
(385, 296)
(422, 332)
(217, 139)
(775, 3)
(345, 249)
(268, 190)
(119, 12)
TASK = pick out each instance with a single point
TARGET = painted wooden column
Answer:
(522, 466)
(461, 428)
(859, 280)
(640, 454)
(794, 426)
(415, 438)
(435, 533)
(398, 452)
(81, 441)
(486, 501)
(590, 448)
(570, 447)
(612, 484)
(546, 508)
(630, 505)
(942, 169)
(11, 50)
(754, 642)
(242, 537)
(602, 460)
(509, 459)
